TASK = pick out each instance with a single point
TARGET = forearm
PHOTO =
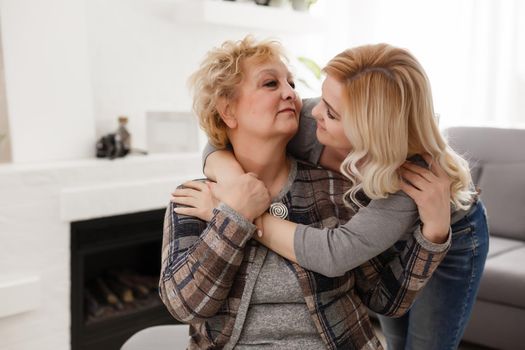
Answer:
(221, 166)
(198, 269)
(278, 235)
(372, 230)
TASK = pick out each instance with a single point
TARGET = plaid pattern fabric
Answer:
(205, 268)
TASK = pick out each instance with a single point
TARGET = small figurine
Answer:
(116, 144)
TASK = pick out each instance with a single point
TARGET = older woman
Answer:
(233, 291)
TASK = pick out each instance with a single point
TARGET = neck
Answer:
(267, 159)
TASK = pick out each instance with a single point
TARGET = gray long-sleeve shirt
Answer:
(372, 230)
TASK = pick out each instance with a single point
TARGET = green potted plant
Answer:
(308, 76)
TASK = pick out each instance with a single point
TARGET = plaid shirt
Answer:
(205, 269)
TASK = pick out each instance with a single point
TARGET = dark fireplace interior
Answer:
(115, 265)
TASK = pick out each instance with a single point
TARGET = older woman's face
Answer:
(267, 105)
(328, 114)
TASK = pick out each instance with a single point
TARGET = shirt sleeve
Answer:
(372, 230)
(389, 283)
(200, 261)
(304, 145)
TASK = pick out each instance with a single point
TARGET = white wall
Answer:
(5, 142)
(472, 50)
(48, 91)
(73, 66)
(141, 58)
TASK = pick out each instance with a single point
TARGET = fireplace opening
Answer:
(115, 266)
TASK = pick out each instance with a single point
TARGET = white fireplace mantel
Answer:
(38, 202)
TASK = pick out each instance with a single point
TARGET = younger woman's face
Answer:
(328, 114)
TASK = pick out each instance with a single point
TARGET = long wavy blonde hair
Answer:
(388, 116)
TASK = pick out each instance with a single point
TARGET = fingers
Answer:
(187, 201)
(190, 188)
(186, 211)
(413, 178)
(434, 166)
(183, 192)
(196, 185)
(410, 190)
(424, 173)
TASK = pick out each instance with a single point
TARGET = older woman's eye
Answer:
(271, 83)
(292, 84)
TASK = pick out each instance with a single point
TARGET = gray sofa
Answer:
(497, 158)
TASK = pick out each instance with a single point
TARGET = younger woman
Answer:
(376, 112)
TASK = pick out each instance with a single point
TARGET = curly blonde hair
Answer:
(388, 116)
(218, 76)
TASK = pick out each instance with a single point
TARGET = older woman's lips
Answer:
(287, 110)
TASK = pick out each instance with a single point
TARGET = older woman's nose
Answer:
(289, 93)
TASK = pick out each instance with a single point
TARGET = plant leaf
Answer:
(311, 65)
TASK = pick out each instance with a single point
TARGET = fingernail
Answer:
(259, 233)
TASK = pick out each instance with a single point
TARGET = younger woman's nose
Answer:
(316, 111)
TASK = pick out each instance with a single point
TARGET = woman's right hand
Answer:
(246, 194)
(430, 189)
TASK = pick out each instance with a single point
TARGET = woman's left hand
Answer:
(197, 198)
(430, 189)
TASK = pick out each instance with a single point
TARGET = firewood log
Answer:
(122, 291)
(139, 290)
(109, 296)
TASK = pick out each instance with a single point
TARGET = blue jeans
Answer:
(440, 313)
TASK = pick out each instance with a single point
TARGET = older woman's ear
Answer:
(225, 109)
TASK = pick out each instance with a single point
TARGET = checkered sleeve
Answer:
(200, 261)
(389, 283)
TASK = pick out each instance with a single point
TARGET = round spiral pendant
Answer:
(279, 210)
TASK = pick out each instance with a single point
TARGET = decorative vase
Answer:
(300, 5)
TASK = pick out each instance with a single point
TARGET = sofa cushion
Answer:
(503, 192)
(484, 145)
(503, 281)
(500, 245)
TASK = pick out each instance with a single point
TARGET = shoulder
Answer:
(309, 170)
(181, 186)
(180, 219)
(311, 178)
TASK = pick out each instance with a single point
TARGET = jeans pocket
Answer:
(462, 231)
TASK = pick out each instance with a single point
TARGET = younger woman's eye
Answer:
(329, 114)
